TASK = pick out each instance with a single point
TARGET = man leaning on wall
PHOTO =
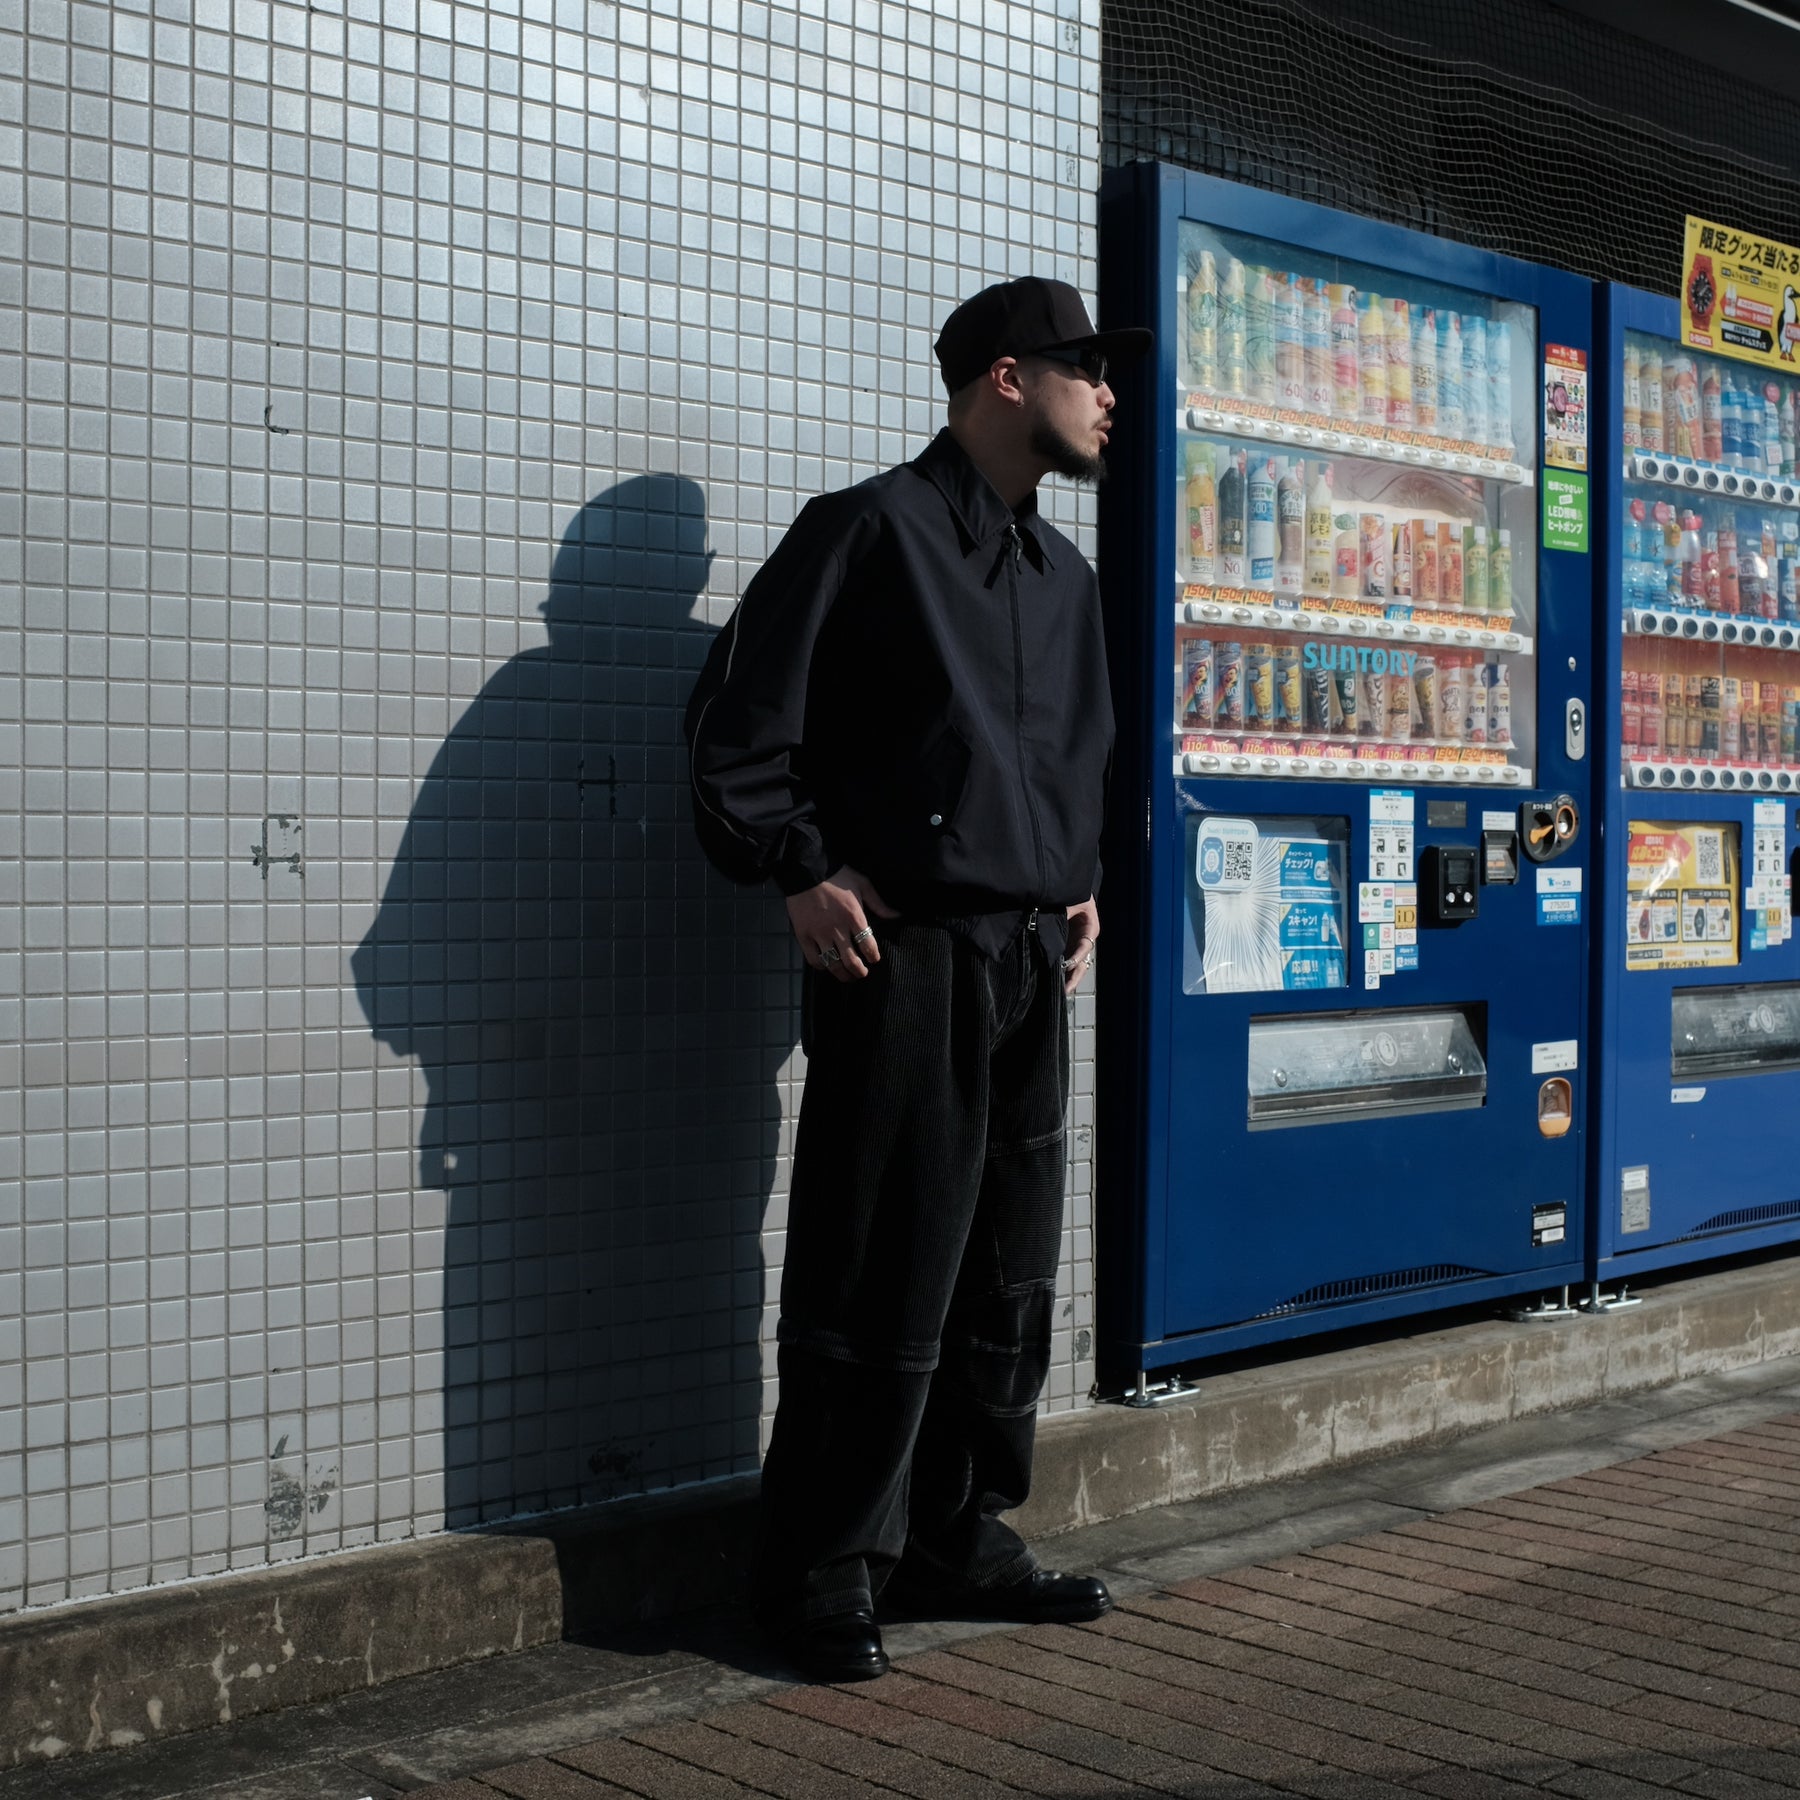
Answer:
(906, 725)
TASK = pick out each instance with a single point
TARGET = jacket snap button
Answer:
(937, 818)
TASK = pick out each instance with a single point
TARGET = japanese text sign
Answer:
(1740, 295)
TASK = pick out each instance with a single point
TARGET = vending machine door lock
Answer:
(1450, 884)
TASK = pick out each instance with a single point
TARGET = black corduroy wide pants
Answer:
(924, 1219)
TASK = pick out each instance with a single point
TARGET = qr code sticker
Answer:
(1709, 864)
(1225, 855)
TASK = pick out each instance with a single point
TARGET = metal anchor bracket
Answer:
(1546, 1306)
(1597, 1302)
(1175, 1388)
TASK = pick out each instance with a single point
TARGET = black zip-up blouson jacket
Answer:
(914, 684)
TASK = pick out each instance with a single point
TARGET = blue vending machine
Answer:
(1347, 581)
(1697, 975)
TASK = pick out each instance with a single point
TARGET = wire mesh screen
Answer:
(1507, 124)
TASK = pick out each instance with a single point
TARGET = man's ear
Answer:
(1003, 378)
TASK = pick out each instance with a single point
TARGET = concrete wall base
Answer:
(114, 1672)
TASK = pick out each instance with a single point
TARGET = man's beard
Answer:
(1064, 457)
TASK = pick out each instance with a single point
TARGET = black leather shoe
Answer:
(1039, 1597)
(841, 1647)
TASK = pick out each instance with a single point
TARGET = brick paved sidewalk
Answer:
(1632, 1632)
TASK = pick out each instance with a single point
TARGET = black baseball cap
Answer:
(1019, 318)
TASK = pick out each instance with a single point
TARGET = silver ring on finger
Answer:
(829, 956)
(868, 931)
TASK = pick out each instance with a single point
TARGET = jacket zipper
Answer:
(1015, 552)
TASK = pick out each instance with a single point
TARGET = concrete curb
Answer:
(184, 1657)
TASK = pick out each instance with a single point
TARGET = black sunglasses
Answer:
(1089, 360)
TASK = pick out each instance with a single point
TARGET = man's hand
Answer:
(1084, 928)
(831, 924)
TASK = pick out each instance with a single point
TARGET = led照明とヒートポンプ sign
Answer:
(1740, 295)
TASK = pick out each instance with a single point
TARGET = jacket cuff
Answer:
(803, 863)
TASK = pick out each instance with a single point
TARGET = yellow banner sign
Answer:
(1740, 295)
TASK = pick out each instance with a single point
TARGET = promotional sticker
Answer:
(1565, 511)
(1565, 407)
(1738, 294)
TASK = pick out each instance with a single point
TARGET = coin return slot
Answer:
(1556, 1108)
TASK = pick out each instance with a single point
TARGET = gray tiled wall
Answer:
(394, 396)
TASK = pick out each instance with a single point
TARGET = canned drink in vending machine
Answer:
(1790, 725)
(1233, 329)
(1318, 702)
(1290, 704)
(1425, 368)
(1196, 683)
(1450, 566)
(1650, 704)
(1259, 332)
(1373, 540)
(1228, 688)
(1346, 368)
(1711, 713)
(1499, 705)
(1731, 719)
(1631, 710)
(1453, 698)
(1316, 336)
(1371, 703)
(1403, 559)
(1425, 562)
(1288, 329)
(1203, 323)
(1371, 351)
(1399, 709)
(1475, 378)
(1344, 694)
(1770, 715)
(1425, 697)
(1259, 687)
(1399, 365)
(1475, 715)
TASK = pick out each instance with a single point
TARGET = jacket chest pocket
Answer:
(926, 791)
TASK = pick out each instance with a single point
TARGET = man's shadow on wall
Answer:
(602, 1023)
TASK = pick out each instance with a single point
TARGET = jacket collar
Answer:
(979, 510)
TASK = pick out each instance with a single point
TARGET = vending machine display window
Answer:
(1356, 521)
(1681, 888)
(1717, 1031)
(1710, 683)
(1314, 1069)
(1267, 904)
